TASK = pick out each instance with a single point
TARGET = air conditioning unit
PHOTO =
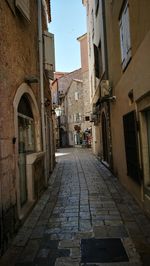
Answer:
(105, 88)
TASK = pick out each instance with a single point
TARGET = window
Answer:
(49, 54)
(131, 146)
(96, 6)
(87, 118)
(125, 41)
(76, 96)
(77, 117)
(24, 8)
(26, 143)
(98, 60)
(26, 127)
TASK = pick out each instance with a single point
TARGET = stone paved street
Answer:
(83, 201)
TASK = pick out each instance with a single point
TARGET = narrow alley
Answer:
(85, 217)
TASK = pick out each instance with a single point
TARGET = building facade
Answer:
(78, 102)
(27, 65)
(130, 112)
(124, 89)
(75, 112)
(71, 92)
(98, 74)
(59, 87)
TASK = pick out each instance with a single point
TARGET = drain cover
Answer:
(102, 250)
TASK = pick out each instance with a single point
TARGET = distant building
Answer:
(71, 91)
(78, 102)
(75, 112)
(27, 64)
(59, 88)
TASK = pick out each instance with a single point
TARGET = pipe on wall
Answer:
(40, 39)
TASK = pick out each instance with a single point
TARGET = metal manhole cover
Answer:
(102, 250)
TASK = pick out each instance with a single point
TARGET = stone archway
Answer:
(25, 92)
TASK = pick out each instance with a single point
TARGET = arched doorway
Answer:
(27, 130)
(105, 138)
(26, 142)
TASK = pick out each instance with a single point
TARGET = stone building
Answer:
(98, 73)
(59, 87)
(25, 111)
(71, 92)
(85, 78)
(56, 106)
(78, 102)
(119, 48)
(75, 112)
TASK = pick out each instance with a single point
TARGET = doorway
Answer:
(26, 143)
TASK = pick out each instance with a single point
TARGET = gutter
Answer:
(40, 40)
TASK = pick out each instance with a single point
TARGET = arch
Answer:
(24, 89)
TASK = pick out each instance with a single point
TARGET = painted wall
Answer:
(136, 78)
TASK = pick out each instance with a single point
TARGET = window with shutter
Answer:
(131, 146)
(49, 53)
(125, 41)
(76, 96)
(96, 6)
(98, 60)
(24, 8)
(80, 117)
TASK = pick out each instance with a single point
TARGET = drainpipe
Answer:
(40, 39)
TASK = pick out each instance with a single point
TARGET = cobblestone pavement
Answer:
(83, 201)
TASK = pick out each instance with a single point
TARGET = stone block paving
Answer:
(83, 201)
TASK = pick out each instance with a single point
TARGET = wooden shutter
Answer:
(122, 39)
(76, 96)
(131, 146)
(24, 8)
(96, 6)
(125, 40)
(96, 58)
(49, 54)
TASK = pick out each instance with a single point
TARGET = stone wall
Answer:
(18, 59)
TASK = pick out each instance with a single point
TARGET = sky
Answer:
(68, 23)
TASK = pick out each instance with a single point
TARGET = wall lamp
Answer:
(108, 99)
